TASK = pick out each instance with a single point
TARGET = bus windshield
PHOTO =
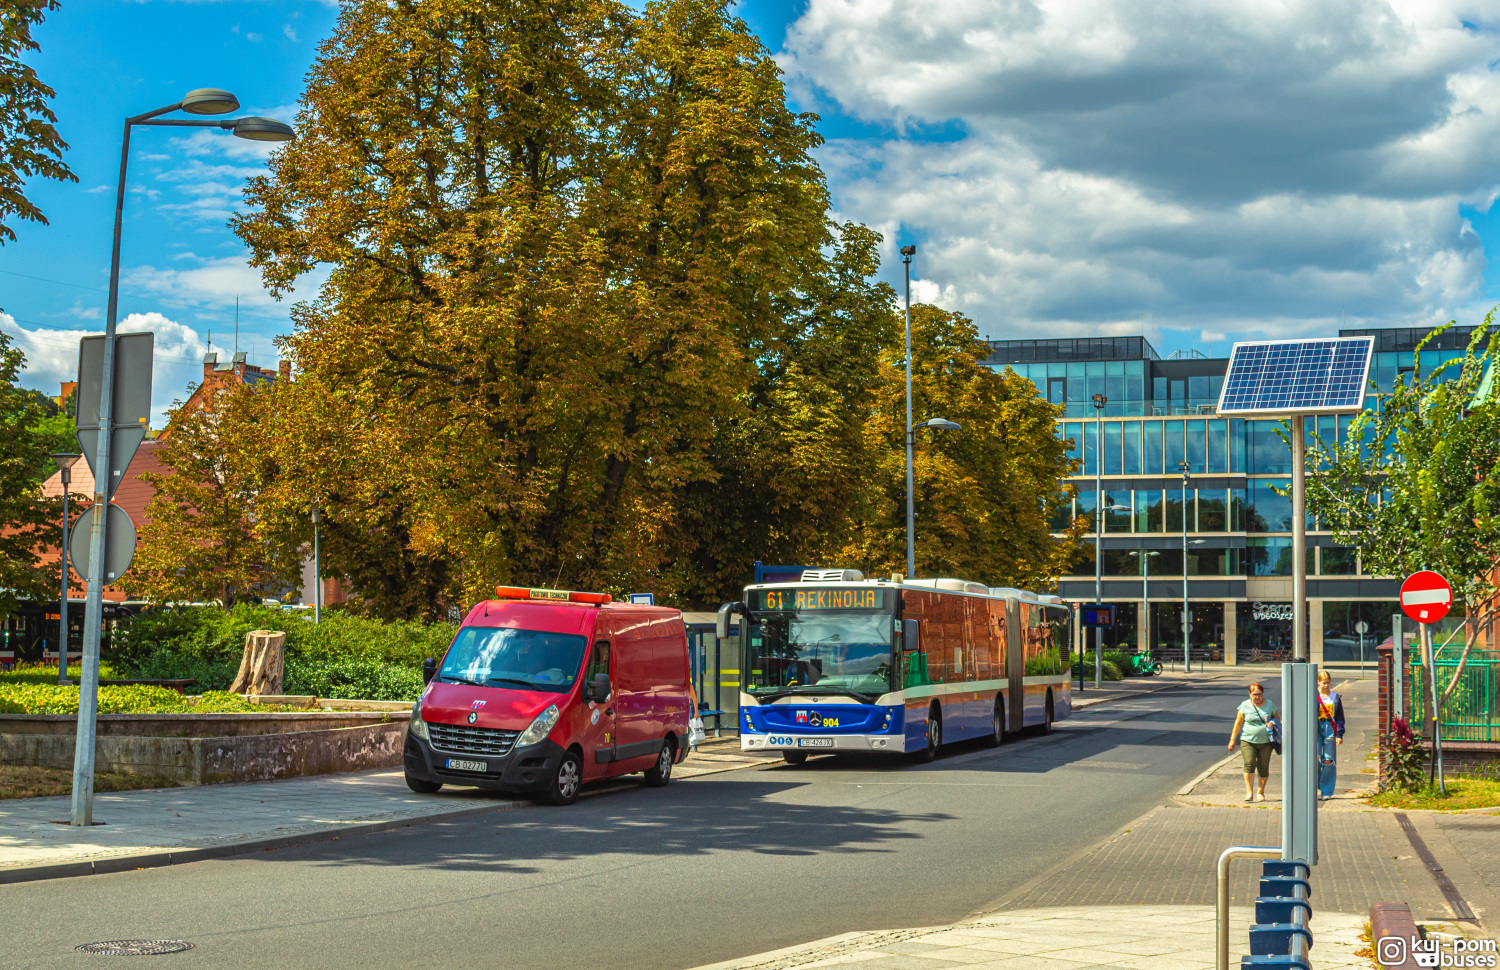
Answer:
(811, 644)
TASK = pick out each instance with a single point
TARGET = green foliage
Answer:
(1111, 669)
(29, 143)
(363, 679)
(207, 638)
(205, 674)
(28, 521)
(133, 699)
(46, 673)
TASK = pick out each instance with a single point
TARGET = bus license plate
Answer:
(815, 742)
(455, 764)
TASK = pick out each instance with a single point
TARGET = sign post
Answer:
(1426, 597)
(114, 407)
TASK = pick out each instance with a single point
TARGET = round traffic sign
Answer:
(1426, 596)
(1361, 628)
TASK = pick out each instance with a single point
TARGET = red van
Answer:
(545, 690)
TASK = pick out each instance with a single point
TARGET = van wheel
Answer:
(997, 725)
(934, 735)
(421, 786)
(661, 773)
(567, 781)
(794, 757)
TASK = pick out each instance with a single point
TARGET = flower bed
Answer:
(33, 698)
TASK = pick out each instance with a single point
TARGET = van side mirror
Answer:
(911, 636)
(429, 670)
(599, 688)
(726, 618)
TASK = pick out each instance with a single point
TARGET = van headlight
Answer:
(540, 728)
(418, 726)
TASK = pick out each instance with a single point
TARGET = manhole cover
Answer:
(135, 948)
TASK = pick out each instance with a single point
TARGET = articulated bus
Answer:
(840, 663)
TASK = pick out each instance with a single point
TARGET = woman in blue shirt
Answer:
(1252, 729)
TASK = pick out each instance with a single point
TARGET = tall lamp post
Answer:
(64, 462)
(1146, 555)
(936, 424)
(203, 101)
(1099, 401)
(1187, 614)
(317, 518)
(907, 252)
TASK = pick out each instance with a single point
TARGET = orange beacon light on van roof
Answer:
(554, 595)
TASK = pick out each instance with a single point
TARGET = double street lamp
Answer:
(936, 424)
(64, 461)
(203, 101)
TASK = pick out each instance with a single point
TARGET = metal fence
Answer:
(1472, 712)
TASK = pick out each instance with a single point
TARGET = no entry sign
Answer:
(1426, 596)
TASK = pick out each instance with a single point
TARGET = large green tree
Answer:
(29, 143)
(29, 522)
(1415, 484)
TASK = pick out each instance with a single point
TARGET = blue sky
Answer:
(1202, 172)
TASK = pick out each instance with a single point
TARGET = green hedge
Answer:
(217, 636)
(371, 680)
(133, 699)
(1109, 669)
(40, 673)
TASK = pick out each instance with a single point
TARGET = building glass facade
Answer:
(1234, 501)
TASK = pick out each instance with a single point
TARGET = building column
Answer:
(1315, 631)
(1231, 634)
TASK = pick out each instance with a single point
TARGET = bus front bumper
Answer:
(815, 743)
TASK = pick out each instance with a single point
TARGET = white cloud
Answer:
(52, 357)
(1068, 166)
(289, 32)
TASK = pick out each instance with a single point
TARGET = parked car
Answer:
(546, 690)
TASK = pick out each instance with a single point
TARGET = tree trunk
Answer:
(262, 664)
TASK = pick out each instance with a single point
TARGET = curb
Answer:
(1188, 788)
(176, 857)
(788, 951)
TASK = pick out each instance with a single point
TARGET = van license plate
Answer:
(815, 742)
(456, 765)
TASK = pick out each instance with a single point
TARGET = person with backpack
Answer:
(1257, 729)
(1330, 734)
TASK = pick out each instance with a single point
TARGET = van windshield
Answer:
(520, 659)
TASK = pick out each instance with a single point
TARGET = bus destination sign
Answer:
(818, 599)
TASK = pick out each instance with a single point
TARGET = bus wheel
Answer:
(997, 725)
(934, 734)
(794, 757)
(1047, 718)
(658, 775)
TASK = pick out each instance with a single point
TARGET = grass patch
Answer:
(30, 781)
(133, 699)
(1462, 793)
(38, 673)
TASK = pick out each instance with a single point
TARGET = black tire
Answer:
(934, 735)
(997, 725)
(422, 786)
(660, 773)
(1047, 716)
(1156, 668)
(568, 780)
(794, 757)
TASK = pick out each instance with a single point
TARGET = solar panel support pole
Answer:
(1299, 540)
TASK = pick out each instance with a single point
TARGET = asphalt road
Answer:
(707, 869)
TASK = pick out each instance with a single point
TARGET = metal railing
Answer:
(1472, 712)
(1225, 857)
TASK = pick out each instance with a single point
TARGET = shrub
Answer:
(1401, 757)
(364, 679)
(131, 699)
(215, 635)
(207, 675)
(1109, 669)
(46, 673)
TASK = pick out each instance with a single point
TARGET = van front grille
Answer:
(462, 739)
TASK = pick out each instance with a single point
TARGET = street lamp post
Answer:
(64, 462)
(1187, 622)
(1099, 401)
(936, 424)
(907, 252)
(1146, 555)
(203, 101)
(317, 518)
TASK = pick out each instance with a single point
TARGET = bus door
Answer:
(1015, 665)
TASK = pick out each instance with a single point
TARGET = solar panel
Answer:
(1315, 376)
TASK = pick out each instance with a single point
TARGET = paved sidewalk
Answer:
(1065, 938)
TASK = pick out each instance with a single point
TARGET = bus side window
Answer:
(598, 660)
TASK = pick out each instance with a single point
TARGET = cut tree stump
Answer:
(262, 665)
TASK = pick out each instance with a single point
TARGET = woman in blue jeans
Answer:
(1330, 734)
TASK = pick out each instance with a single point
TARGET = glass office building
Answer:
(1231, 504)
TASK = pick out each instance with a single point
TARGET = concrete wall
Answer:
(247, 755)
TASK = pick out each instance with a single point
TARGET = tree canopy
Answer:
(29, 142)
(29, 522)
(589, 324)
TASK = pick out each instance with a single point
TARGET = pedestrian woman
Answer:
(1330, 734)
(1252, 729)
